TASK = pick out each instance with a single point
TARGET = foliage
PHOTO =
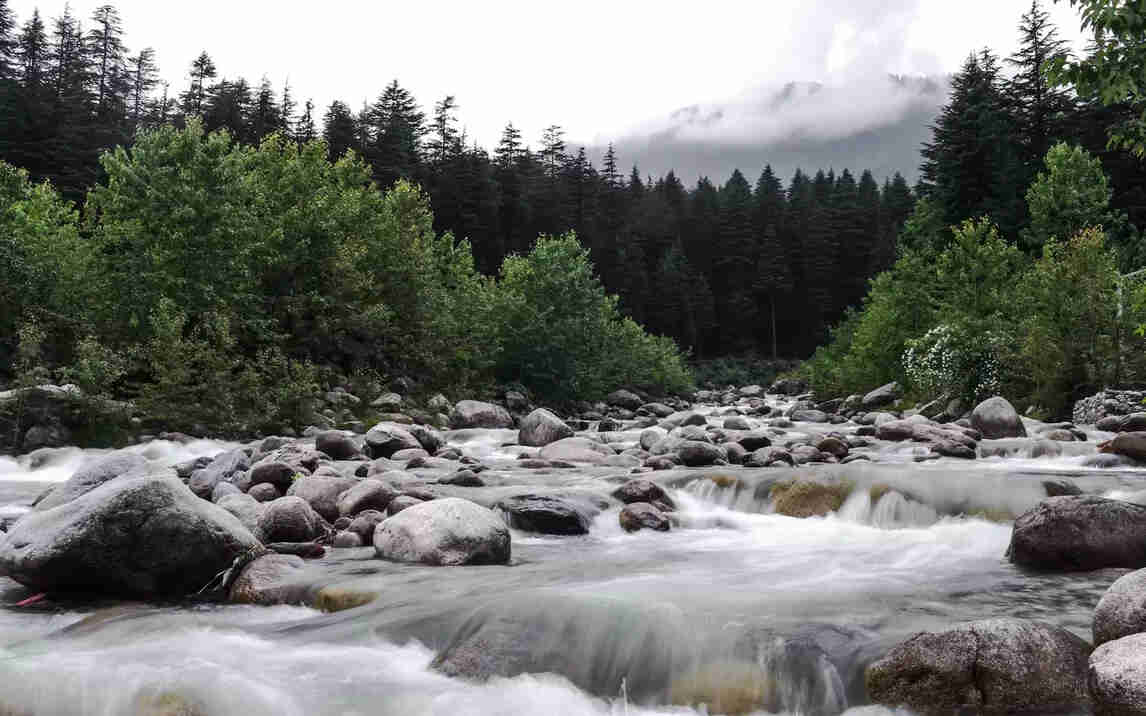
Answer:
(562, 336)
(954, 361)
(739, 370)
(1071, 195)
(1112, 71)
(1071, 332)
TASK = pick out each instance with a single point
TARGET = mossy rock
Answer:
(878, 491)
(721, 479)
(337, 599)
(725, 688)
(166, 703)
(808, 498)
(993, 515)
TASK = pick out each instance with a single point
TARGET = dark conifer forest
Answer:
(749, 263)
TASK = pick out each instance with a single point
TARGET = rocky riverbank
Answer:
(270, 522)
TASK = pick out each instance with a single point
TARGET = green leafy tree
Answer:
(1071, 195)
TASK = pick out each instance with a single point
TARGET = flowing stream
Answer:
(735, 599)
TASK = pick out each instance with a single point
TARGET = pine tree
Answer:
(106, 45)
(286, 118)
(397, 129)
(8, 42)
(304, 130)
(339, 130)
(773, 282)
(144, 78)
(265, 117)
(734, 265)
(191, 102)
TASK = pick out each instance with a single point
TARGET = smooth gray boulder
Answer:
(336, 444)
(576, 450)
(366, 495)
(624, 399)
(446, 532)
(90, 477)
(1117, 677)
(247, 509)
(997, 418)
(269, 580)
(694, 453)
(1080, 533)
(1129, 445)
(542, 427)
(133, 537)
(322, 492)
(276, 473)
(883, 395)
(290, 519)
(385, 439)
(476, 414)
(544, 514)
(994, 665)
(1122, 609)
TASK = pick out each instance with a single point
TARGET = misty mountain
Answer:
(877, 125)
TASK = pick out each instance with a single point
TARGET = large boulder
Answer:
(290, 519)
(385, 439)
(542, 427)
(624, 399)
(883, 395)
(92, 476)
(994, 665)
(694, 453)
(446, 532)
(476, 414)
(1117, 676)
(133, 537)
(642, 490)
(1131, 445)
(547, 515)
(337, 444)
(576, 450)
(1122, 610)
(269, 580)
(322, 492)
(997, 418)
(1082, 532)
(366, 495)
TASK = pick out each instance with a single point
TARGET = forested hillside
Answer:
(752, 263)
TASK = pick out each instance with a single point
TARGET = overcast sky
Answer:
(600, 68)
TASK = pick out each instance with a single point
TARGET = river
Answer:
(735, 598)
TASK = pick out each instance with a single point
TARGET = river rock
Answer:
(322, 492)
(476, 414)
(463, 478)
(223, 467)
(1084, 532)
(642, 515)
(642, 490)
(1122, 609)
(224, 489)
(883, 395)
(737, 422)
(278, 474)
(366, 495)
(246, 509)
(290, 519)
(269, 580)
(446, 532)
(337, 444)
(769, 456)
(994, 665)
(804, 497)
(386, 439)
(264, 492)
(347, 540)
(402, 502)
(624, 399)
(576, 450)
(137, 537)
(542, 427)
(997, 418)
(694, 453)
(1117, 677)
(788, 386)
(753, 440)
(809, 415)
(92, 476)
(833, 446)
(543, 514)
(659, 410)
(364, 524)
(1131, 445)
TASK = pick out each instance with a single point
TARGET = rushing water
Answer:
(726, 602)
